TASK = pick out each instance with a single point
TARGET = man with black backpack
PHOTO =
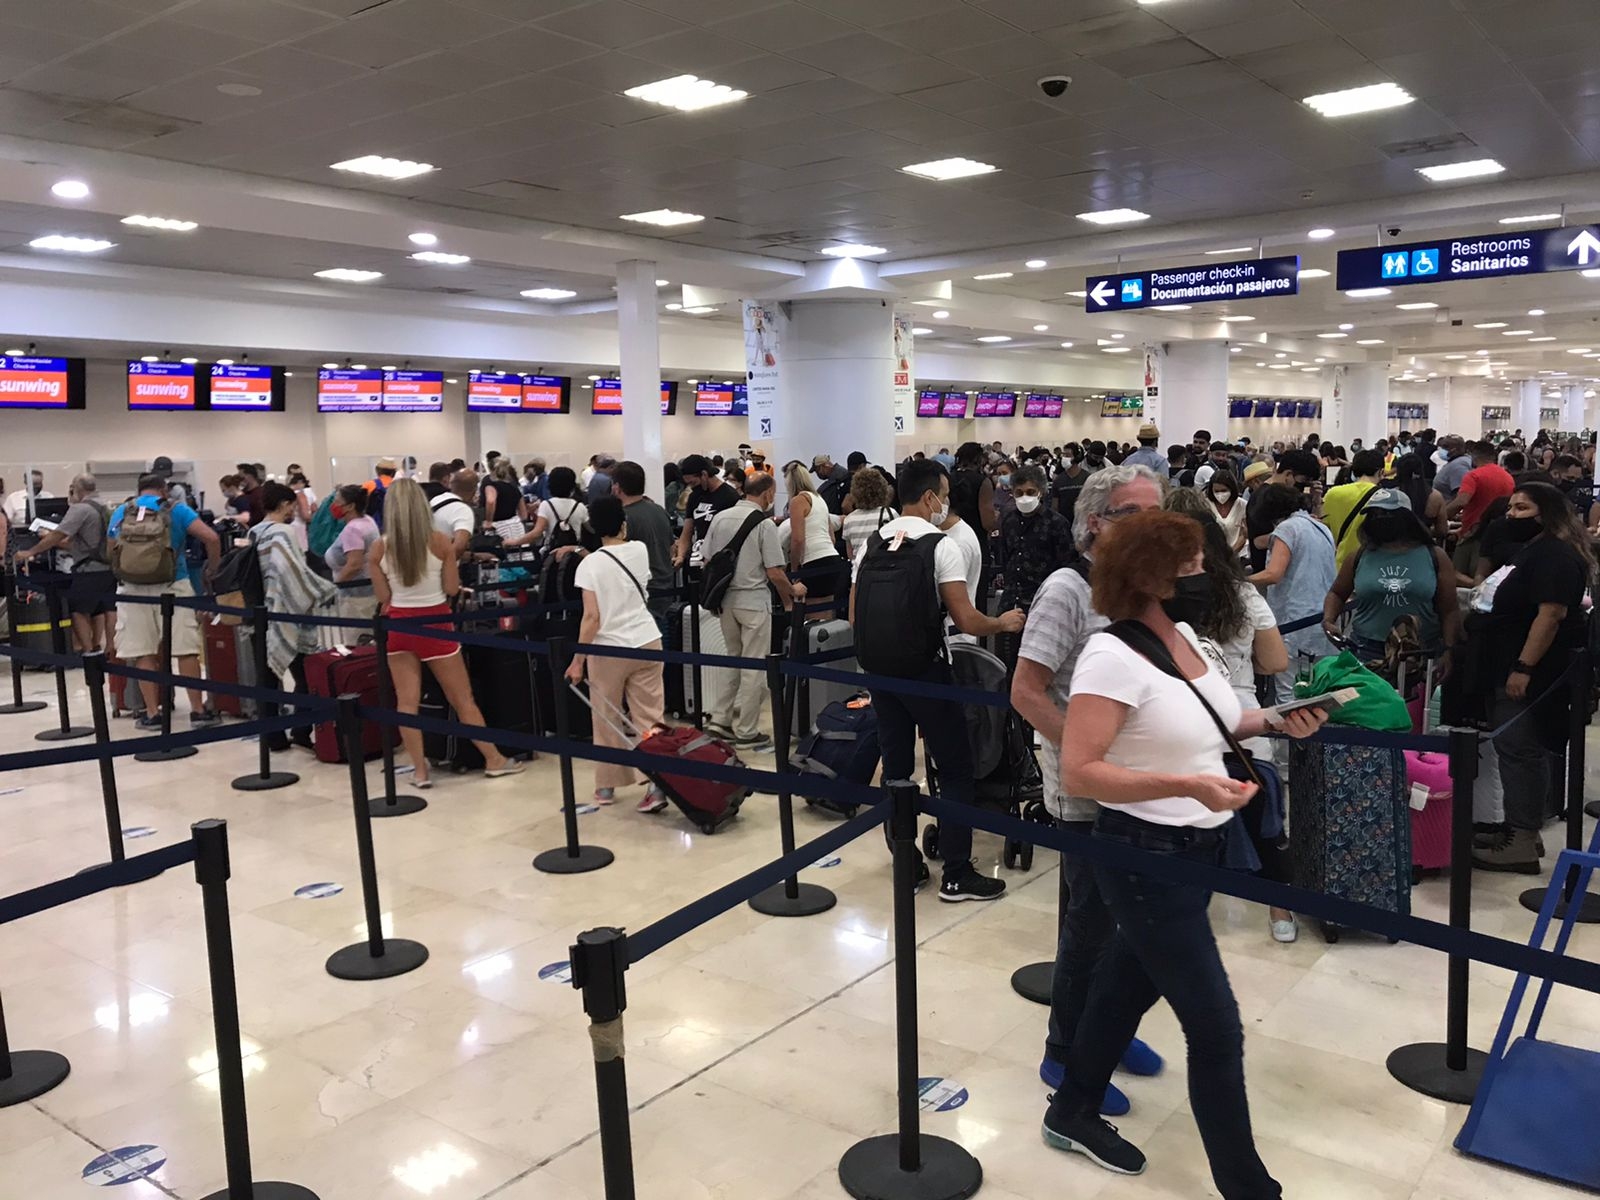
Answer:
(911, 582)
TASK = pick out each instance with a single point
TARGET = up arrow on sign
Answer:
(1103, 290)
(1583, 247)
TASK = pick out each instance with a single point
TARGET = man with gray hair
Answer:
(600, 481)
(1060, 623)
(92, 595)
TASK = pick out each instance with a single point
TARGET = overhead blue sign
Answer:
(1475, 256)
(1245, 279)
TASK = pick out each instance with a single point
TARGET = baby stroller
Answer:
(1004, 767)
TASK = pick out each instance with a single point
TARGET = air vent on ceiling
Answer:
(514, 189)
(119, 118)
(1429, 145)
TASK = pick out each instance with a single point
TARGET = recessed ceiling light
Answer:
(1333, 336)
(1279, 366)
(1115, 349)
(383, 168)
(349, 275)
(1035, 264)
(424, 239)
(595, 378)
(1480, 352)
(170, 224)
(330, 366)
(995, 337)
(1234, 320)
(1170, 307)
(1490, 325)
(1114, 216)
(71, 245)
(663, 283)
(452, 381)
(1280, 354)
(1066, 345)
(1369, 341)
(1546, 338)
(1365, 293)
(1118, 336)
(1536, 312)
(1077, 295)
(70, 189)
(921, 331)
(995, 275)
(151, 358)
(686, 93)
(388, 367)
(1574, 350)
(1313, 273)
(1455, 357)
(940, 315)
(1450, 172)
(1319, 360)
(439, 256)
(949, 168)
(1235, 349)
(1261, 364)
(548, 293)
(701, 310)
(851, 250)
(673, 307)
(1232, 250)
(1041, 329)
(663, 216)
(1350, 101)
(1346, 326)
(1530, 218)
(1515, 332)
(1320, 233)
(358, 366)
(189, 361)
(1310, 368)
(1590, 274)
(1417, 305)
(228, 362)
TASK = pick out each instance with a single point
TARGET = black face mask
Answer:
(1522, 529)
(1190, 601)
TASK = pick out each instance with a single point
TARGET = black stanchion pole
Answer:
(94, 678)
(1450, 1071)
(791, 898)
(25, 1074)
(58, 646)
(910, 1164)
(696, 677)
(572, 858)
(168, 608)
(378, 957)
(598, 962)
(211, 872)
(265, 779)
(1588, 912)
(18, 704)
(392, 804)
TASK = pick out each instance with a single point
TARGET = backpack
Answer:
(899, 627)
(563, 534)
(558, 579)
(143, 551)
(324, 529)
(720, 568)
(833, 492)
(238, 582)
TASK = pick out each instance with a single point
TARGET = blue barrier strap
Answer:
(713, 904)
(40, 658)
(904, 687)
(1302, 623)
(122, 747)
(301, 700)
(209, 604)
(97, 879)
(1480, 947)
(1533, 704)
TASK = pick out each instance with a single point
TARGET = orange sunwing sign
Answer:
(161, 385)
(27, 382)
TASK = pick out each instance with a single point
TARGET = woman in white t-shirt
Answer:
(1140, 741)
(615, 580)
(560, 520)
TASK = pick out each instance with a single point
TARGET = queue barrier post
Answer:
(18, 704)
(572, 857)
(26, 1074)
(598, 960)
(392, 804)
(211, 870)
(1588, 911)
(908, 1164)
(66, 731)
(265, 779)
(378, 957)
(1450, 1071)
(94, 678)
(168, 609)
(791, 898)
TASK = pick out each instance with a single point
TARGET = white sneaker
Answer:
(1285, 931)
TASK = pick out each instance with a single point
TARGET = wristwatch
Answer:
(1521, 668)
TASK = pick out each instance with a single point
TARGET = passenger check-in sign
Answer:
(1210, 283)
(1473, 256)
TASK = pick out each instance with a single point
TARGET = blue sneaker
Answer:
(1139, 1059)
(1112, 1104)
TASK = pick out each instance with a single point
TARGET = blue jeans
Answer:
(1164, 947)
(1086, 929)
(944, 732)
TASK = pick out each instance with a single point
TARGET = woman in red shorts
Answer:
(413, 570)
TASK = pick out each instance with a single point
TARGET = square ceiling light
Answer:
(1114, 216)
(548, 293)
(1450, 172)
(170, 224)
(949, 168)
(439, 256)
(851, 250)
(1372, 98)
(349, 275)
(384, 168)
(71, 245)
(663, 216)
(686, 93)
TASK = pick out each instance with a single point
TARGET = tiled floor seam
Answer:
(99, 1149)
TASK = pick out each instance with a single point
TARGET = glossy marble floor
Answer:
(758, 1049)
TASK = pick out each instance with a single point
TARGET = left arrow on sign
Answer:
(1583, 247)
(1103, 291)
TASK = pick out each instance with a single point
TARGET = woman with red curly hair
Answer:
(1144, 737)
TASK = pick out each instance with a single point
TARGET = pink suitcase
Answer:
(1430, 825)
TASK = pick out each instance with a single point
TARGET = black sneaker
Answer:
(148, 722)
(969, 885)
(924, 876)
(1097, 1140)
(205, 719)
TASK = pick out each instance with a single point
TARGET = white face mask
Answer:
(1223, 496)
(939, 515)
(1027, 504)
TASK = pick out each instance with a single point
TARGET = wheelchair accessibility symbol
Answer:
(1425, 262)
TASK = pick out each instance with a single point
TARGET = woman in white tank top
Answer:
(813, 557)
(413, 570)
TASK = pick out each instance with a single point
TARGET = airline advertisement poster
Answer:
(764, 324)
(341, 390)
(241, 387)
(905, 369)
(413, 391)
(493, 391)
(27, 382)
(161, 385)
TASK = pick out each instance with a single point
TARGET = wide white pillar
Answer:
(639, 336)
(1573, 418)
(1527, 398)
(1186, 389)
(837, 393)
(1355, 403)
(1468, 395)
(1441, 405)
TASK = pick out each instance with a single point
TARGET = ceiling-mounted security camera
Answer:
(1055, 86)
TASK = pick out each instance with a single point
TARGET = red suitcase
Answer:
(1430, 825)
(123, 692)
(222, 664)
(334, 673)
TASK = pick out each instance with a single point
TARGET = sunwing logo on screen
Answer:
(32, 379)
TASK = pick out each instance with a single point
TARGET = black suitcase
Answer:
(503, 690)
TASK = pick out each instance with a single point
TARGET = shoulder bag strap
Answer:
(745, 531)
(1355, 512)
(1141, 638)
(632, 578)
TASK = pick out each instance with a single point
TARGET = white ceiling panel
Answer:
(614, 23)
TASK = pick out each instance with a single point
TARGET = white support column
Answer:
(1441, 405)
(638, 334)
(1355, 403)
(1526, 401)
(486, 432)
(1192, 383)
(838, 382)
(1573, 418)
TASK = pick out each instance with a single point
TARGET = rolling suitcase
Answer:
(229, 659)
(1429, 783)
(711, 642)
(333, 673)
(843, 745)
(126, 699)
(501, 686)
(814, 695)
(1350, 833)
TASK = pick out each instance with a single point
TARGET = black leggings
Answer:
(297, 671)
